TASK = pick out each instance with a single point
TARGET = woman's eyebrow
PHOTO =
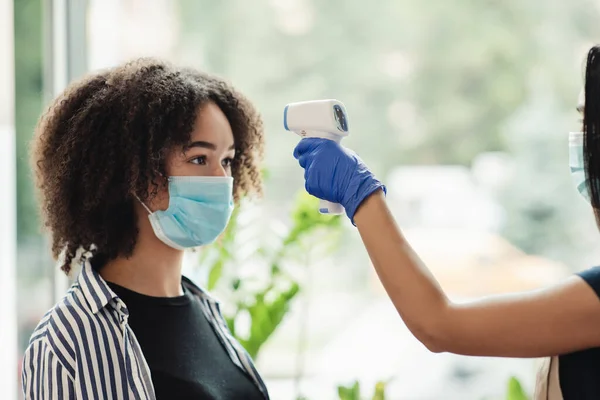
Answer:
(201, 144)
(205, 145)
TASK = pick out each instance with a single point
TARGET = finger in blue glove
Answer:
(335, 173)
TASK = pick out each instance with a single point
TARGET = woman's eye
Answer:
(227, 162)
(199, 160)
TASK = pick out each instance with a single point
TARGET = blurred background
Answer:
(462, 108)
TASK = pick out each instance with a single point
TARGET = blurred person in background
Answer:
(560, 323)
(135, 164)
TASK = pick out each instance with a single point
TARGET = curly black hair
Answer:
(105, 139)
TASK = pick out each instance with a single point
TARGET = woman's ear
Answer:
(158, 198)
(137, 201)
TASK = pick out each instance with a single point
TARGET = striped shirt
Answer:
(83, 348)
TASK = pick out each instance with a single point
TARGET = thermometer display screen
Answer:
(340, 118)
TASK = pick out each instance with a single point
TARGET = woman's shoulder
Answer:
(50, 340)
(51, 318)
(592, 277)
(69, 323)
(71, 329)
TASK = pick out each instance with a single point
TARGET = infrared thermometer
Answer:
(325, 119)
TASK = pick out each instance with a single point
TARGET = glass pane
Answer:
(34, 263)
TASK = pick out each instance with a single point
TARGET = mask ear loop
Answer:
(142, 203)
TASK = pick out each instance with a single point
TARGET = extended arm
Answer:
(556, 320)
(551, 321)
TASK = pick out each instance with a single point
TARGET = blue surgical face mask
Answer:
(199, 210)
(577, 164)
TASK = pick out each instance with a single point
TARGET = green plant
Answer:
(353, 392)
(266, 303)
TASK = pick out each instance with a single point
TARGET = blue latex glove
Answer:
(335, 174)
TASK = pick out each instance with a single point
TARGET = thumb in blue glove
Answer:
(335, 174)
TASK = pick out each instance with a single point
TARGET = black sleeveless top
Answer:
(579, 372)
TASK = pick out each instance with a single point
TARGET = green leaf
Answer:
(258, 328)
(275, 269)
(215, 274)
(379, 391)
(350, 392)
(266, 174)
(231, 324)
(267, 316)
(260, 321)
(515, 390)
(306, 218)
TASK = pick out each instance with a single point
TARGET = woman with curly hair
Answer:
(134, 165)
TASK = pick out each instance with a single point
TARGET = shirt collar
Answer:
(94, 288)
(99, 294)
(197, 291)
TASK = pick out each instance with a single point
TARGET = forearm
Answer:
(414, 291)
(556, 320)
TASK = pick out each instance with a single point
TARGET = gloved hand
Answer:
(335, 174)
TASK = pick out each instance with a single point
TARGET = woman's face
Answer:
(209, 153)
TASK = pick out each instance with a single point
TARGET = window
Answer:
(462, 109)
